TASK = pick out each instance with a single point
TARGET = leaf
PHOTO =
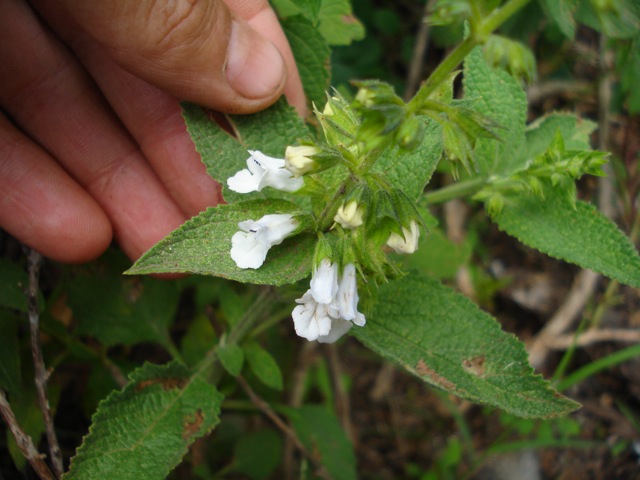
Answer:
(269, 131)
(411, 171)
(447, 341)
(10, 376)
(561, 12)
(312, 57)
(258, 454)
(198, 339)
(575, 133)
(123, 311)
(202, 246)
(263, 366)
(583, 235)
(495, 94)
(232, 358)
(14, 280)
(337, 23)
(319, 430)
(614, 18)
(143, 431)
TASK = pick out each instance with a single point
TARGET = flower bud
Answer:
(408, 241)
(349, 215)
(298, 159)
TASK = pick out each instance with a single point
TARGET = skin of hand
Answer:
(92, 143)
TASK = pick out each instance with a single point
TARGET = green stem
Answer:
(465, 188)
(458, 54)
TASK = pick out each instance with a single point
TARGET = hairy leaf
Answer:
(337, 23)
(411, 170)
(582, 235)
(575, 133)
(202, 246)
(269, 131)
(446, 340)
(495, 94)
(143, 431)
(312, 57)
(561, 12)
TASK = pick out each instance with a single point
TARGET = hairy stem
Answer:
(34, 261)
(24, 442)
(465, 188)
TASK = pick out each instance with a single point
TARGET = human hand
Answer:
(93, 146)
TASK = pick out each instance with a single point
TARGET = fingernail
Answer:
(255, 68)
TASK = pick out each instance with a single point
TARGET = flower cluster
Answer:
(358, 217)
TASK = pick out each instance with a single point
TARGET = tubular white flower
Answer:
(249, 247)
(312, 321)
(324, 282)
(297, 159)
(349, 215)
(263, 171)
(409, 243)
(346, 301)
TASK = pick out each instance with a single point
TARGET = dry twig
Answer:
(581, 290)
(595, 335)
(25, 444)
(34, 261)
(265, 408)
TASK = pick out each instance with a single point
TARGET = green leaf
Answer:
(309, 8)
(319, 430)
(575, 133)
(126, 311)
(312, 57)
(495, 94)
(561, 12)
(614, 18)
(263, 366)
(14, 280)
(411, 171)
(446, 340)
(143, 431)
(337, 24)
(198, 339)
(583, 235)
(202, 246)
(258, 454)
(232, 358)
(269, 131)
(10, 376)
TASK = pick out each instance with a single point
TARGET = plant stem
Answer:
(455, 190)
(457, 55)
(34, 261)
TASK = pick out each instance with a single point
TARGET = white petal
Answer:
(274, 228)
(264, 161)
(282, 179)
(324, 282)
(245, 182)
(338, 328)
(311, 319)
(347, 298)
(408, 243)
(246, 251)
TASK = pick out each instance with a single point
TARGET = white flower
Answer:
(312, 321)
(298, 161)
(327, 321)
(409, 243)
(349, 215)
(263, 171)
(250, 246)
(324, 282)
(346, 300)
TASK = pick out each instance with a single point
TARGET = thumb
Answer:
(196, 50)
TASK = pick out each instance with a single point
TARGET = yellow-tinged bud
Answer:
(298, 159)
(349, 215)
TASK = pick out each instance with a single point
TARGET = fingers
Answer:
(196, 50)
(151, 116)
(52, 100)
(43, 207)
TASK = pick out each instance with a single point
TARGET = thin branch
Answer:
(540, 91)
(606, 193)
(417, 57)
(34, 261)
(265, 408)
(25, 444)
(595, 336)
(581, 290)
(342, 401)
